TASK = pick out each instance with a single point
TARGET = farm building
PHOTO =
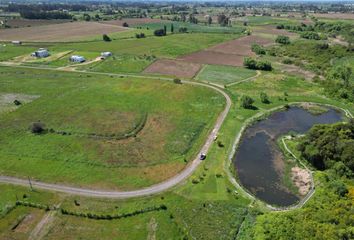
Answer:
(40, 53)
(77, 58)
(105, 55)
(16, 42)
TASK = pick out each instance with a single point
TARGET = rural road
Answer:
(160, 187)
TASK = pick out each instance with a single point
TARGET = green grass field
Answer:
(224, 74)
(169, 46)
(122, 63)
(79, 104)
(196, 28)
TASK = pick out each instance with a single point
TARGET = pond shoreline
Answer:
(229, 167)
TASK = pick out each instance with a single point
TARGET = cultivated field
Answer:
(349, 16)
(228, 53)
(132, 21)
(20, 23)
(58, 33)
(174, 68)
(224, 74)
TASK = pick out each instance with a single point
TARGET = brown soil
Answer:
(229, 53)
(60, 33)
(296, 70)
(271, 29)
(174, 68)
(302, 179)
(131, 21)
(19, 23)
(335, 15)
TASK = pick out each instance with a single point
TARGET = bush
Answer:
(159, 32)
(182, 30)
(177, 81)
(282, 40)
(246, 102)
(264, 65)
(140, 35)
(287, 61)
(264, 98)
(37, 128)
(310, 35)
(106, 38)
(257, 65)
(250, 63)
(259, 50)
(17, 102)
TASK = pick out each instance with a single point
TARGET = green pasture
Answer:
(197, 28)
(178, 119)
(121, 63)
(224, 74)
(169, 46)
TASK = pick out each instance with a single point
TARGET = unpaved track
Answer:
(163, 186)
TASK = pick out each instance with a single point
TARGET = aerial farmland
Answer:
(176, 121)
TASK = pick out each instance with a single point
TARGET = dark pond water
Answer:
(258, 160)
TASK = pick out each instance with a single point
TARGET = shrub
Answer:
(106, 38)
(264, 98)
(37, 128)
(17, 102)
(264, 65)
(259, 50)
(182, 30)
(140, 35)
(257, 65)
(287, 61)
(282, 40)
(250, 63)
(310, 35)
(177, 81)
(247, 102)
(159, 32)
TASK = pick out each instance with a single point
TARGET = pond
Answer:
(258, 160)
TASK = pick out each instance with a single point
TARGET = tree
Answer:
(264, 98)
(177, 81)
(210, 20)
(106, 38)
(37, 127)
(159, 32)
(182, 30)
(259, 50)
(223, 20)
(247, 102)
(87, 17)
(172, 28)
(285, 40)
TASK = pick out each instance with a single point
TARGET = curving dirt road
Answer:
(185, 173)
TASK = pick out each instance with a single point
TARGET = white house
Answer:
(105, 54)
(77, 58)
(40, 53)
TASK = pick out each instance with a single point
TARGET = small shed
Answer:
(16, 42)
(40, 53)
(77, 58)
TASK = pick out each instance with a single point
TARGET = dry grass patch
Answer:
(59, 33)
(173, 67)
